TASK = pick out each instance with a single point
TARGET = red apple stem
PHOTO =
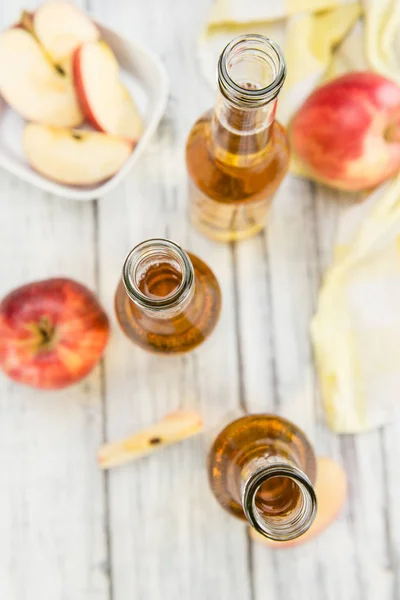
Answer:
(392, 133)
(46, 330)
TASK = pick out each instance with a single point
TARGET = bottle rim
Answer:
(265, 48)
(276, 529)
(157, 248)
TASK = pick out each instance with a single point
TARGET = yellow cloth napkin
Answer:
(356, 331)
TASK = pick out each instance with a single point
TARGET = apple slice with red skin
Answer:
(105, 100)
(32, 85)
(347, 133)
(74, 156)
(61, 27)
(52, 333)
(331, 491)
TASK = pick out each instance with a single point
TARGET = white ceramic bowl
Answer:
(146, 78)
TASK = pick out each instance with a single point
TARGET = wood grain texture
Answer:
(152, 529)
(52, 537)
(168, 536)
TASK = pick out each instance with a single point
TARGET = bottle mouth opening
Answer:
(280, 502)
(157, 274)
(251, 70)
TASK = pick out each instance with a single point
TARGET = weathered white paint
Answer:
(152, 530)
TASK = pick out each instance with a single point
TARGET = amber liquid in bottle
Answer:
(231, 188)
(257, 445)
(170, 329)
(237, 155)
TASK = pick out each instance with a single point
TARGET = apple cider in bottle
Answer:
(168, 301)
(238, 154)
(262, 468)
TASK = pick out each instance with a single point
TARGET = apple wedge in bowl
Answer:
(34, 87)
(105, 101)
(74, 156)
(60, 28)
(97, 80)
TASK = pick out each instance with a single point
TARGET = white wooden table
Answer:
(152, 530)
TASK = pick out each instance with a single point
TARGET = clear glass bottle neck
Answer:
(278, 498)
(251, 72)
(241, 131)
(158, 277)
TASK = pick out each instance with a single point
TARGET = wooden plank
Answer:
(390, 446)
(365, 456)
(52, 544)
(52, 513)
(169, 538)
(279, 277)
(167, 535)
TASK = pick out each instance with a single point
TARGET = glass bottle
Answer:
(237, 155)
(168, 301)
(262, 468)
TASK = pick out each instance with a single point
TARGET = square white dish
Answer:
(145, 77)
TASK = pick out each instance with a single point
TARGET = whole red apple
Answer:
(52, 333)
(347, 133)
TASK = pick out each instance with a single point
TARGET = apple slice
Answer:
(61, 28)
(331, 490)
(105, 101)
(31, 85)
(74, 156)
(173, 428)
